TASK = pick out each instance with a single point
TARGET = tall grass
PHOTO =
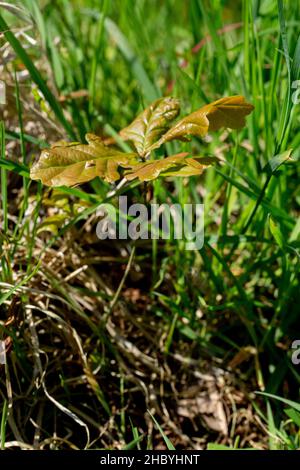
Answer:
(95, 65)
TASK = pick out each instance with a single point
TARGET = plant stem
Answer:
(121, 285)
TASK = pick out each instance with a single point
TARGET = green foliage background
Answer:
(240, 292)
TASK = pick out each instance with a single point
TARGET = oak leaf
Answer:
(226, 112)
(149, 126)
(175, 165)
(70, 164)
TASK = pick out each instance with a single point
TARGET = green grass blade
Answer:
(3, 423)
(165, 438)
(293, 404)
(3, 179)
(139, 72)
(36, 76)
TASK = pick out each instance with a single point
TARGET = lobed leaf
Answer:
(226, 112)
(73, 163)
(151, 124)
(175, 165)
(69, 164)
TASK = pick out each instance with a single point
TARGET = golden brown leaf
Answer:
(73, 163)
(154, 121)
(176, 165)
(226, 112)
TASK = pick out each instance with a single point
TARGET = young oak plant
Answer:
(70, 164)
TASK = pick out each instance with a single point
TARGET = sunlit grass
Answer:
(231, 307)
